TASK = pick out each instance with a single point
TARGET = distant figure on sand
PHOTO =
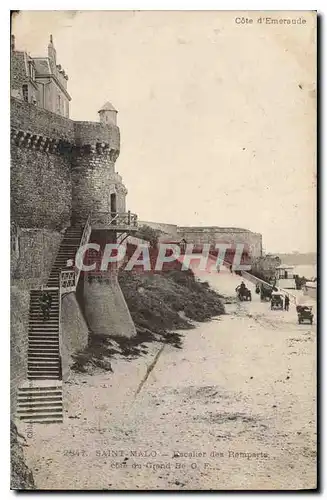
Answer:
(231, 268)
(286, 303)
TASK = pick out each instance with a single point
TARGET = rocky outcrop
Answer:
(21, 476)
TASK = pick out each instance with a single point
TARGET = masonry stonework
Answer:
(105, 307)
(36, 253)
(214, 235)
(41, 189)
(62, 176)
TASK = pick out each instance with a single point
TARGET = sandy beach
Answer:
(234, 408)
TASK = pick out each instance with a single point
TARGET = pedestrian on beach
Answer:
(286, 303)
(231, 269)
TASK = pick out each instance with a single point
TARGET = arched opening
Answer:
(113, 204)
(113, 207)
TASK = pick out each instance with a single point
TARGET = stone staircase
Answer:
(40, 398)
(67, 250)
(43, 339)
(40, 402)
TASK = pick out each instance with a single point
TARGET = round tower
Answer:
(108, 114)
(99, 197)
(96, 185)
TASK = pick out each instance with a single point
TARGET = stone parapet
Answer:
(26, 117)
(100, 137)
(36, 128)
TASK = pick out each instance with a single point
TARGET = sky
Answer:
(217, 119)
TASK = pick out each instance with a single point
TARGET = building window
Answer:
(25, 93)
(32, 71)
(58, 104)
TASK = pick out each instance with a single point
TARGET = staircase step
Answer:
(42, 356)
(44, 346)
(36, 297)
(43, 409)
(54, 347)
(36, 363)
(38, 314)
(48, 329)
(39, 338)
(33, 319)
(42, 420)
(45, 341)
(38, 388)
(47, 332)
(46, 350)
(40, 353)
(51, 321)
(51, 330)
(70, 241)
(43, 377)
(41, 403)
(43, 335)
(46, 415)
(40, 396)
(40, 400)
(41, 369)
(44, 325)
(38, 359)
(45, 374)
(44, 332)
(35, 302)
(36, 309)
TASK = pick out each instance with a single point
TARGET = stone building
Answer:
(65, 192)
(40, 80)
(211, 235)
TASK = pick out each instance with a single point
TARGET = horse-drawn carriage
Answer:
(265, 293)
(243, 293)
(304, 313)
(277, 301)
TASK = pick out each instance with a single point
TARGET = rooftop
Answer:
(108, 107)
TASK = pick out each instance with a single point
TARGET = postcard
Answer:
(163, 250)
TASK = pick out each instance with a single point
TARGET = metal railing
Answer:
(96, 220)
(68, 279)
(84, 240)
(121, 220)
(255, 280)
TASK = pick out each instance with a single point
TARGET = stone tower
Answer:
(99, 197)
(96, 185)
(108, 114)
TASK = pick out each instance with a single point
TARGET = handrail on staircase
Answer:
(84, 239)
(68, 279)
(106, 218)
